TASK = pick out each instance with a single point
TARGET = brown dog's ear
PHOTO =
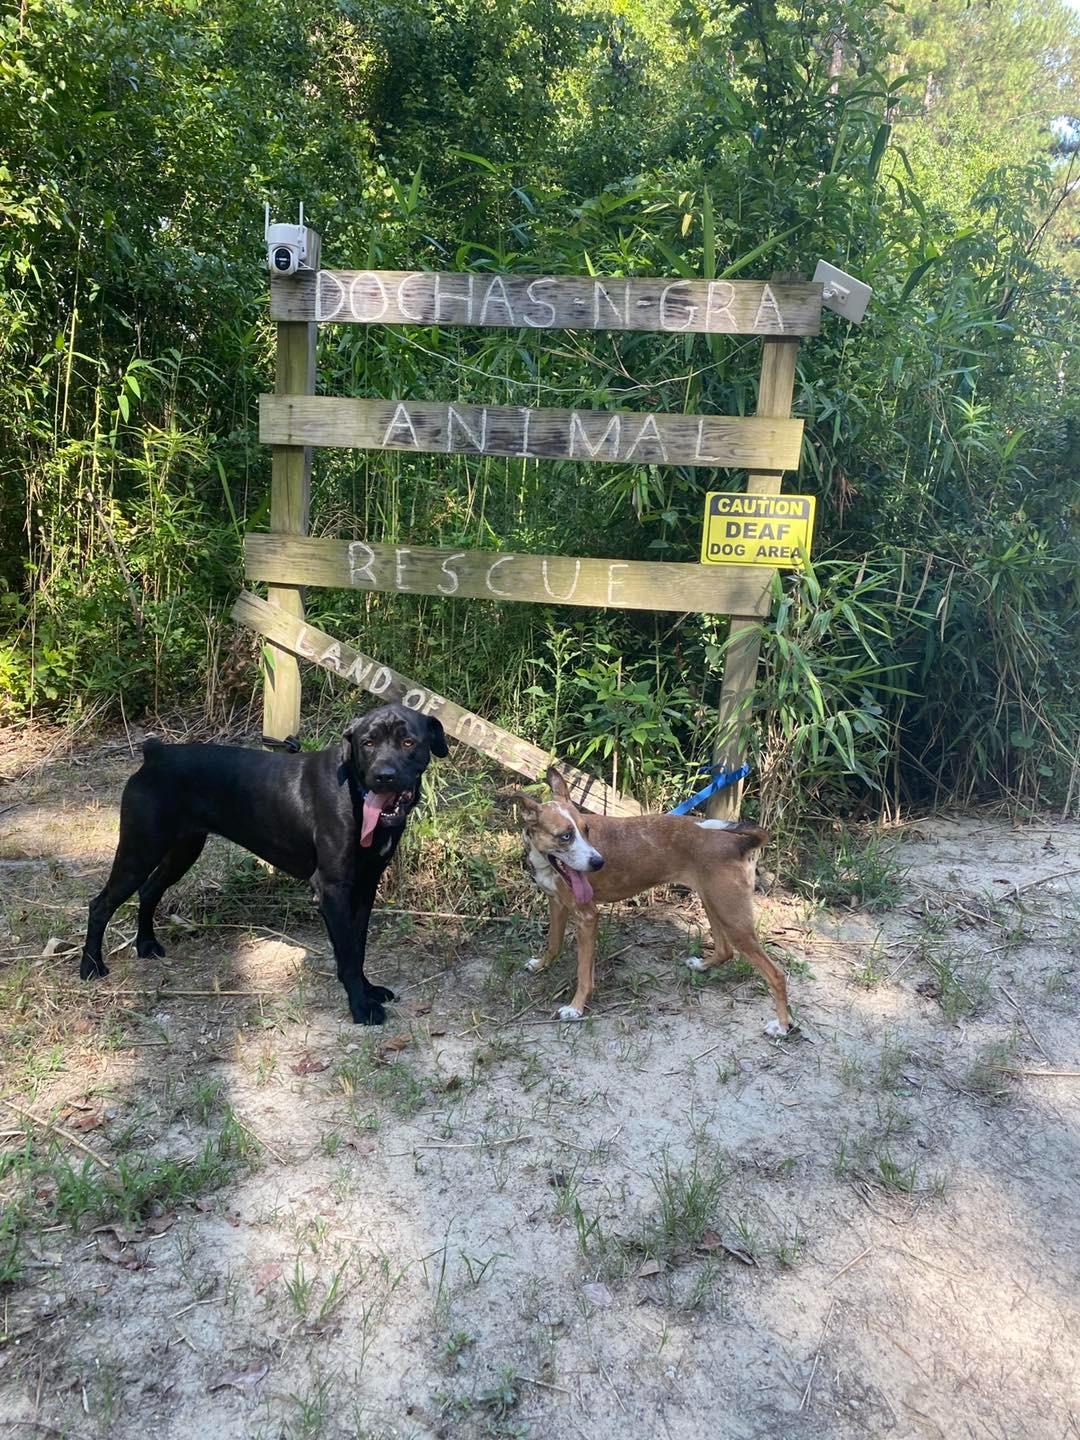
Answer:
(511, 795)
(557, 783)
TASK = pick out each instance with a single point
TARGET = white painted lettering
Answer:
(600, 293)
(381, 680)
(501, 299)
(570, 593)
(366, 286)
(721, 295)
(699, 446)
(441, 295)
(689, 311)
(415, 698)
(399, 568)
(526, 416)
(303, 644)
(451, 575)
(359, 670)
(477, 441)
(502, 594)
(768, 303)
(648, 434)
(612, 435)
(535, 300)
(401, 305)
(613, 580)
(402, 420)
(361, 559)
(331, 658)
(323, 300)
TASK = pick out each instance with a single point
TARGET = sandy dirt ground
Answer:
(479, 1222)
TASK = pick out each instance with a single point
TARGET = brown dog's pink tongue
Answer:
(580, 886)
(375, 802)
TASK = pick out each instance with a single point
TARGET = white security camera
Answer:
(287, 246)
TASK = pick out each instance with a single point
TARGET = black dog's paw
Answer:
(380, 992)
(149, 950)
(364, 1014)
(92, 969)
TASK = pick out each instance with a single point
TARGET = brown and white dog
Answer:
(584, 861)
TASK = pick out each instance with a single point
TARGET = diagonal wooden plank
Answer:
(351, 665)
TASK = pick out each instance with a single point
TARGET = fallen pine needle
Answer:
(260, 1141)
(59, 1130)
(208, 1301)
(845, 1268)
(544, 1385)
(463, 1145)
(1017, 1070)
(817, 1357)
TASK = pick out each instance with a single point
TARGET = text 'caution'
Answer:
(770, 530)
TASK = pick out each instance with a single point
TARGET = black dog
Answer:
(333, 817)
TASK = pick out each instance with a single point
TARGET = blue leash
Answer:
(720, 781)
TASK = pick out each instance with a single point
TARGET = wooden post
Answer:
(290, 500)
(740, 666)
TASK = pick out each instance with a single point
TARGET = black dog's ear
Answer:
(437, 737)
(346, 739)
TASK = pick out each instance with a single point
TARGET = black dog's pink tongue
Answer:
(375, 802)
(580, 886)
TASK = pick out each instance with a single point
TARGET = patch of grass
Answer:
(1057, 982)
(988, 1075)
(873, 970)
(311, 1410)
(205, 1098)
(41, 1184)
(890, 1062)
(856, 869)
(688, 1201)
(960, 985)
(790, 1247)
(895, 1176)
(369, 1070)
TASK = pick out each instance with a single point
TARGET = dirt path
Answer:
(477, 1222)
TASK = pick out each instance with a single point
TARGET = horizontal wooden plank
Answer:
(548, 302)
(515, 754)
(617, 435)
(489, 575)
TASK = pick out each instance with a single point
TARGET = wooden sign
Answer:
(547, 302)
(488, 575)
(771, 531)
(355, 668)
(617, 435)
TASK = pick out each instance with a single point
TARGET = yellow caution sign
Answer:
(770, 530)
